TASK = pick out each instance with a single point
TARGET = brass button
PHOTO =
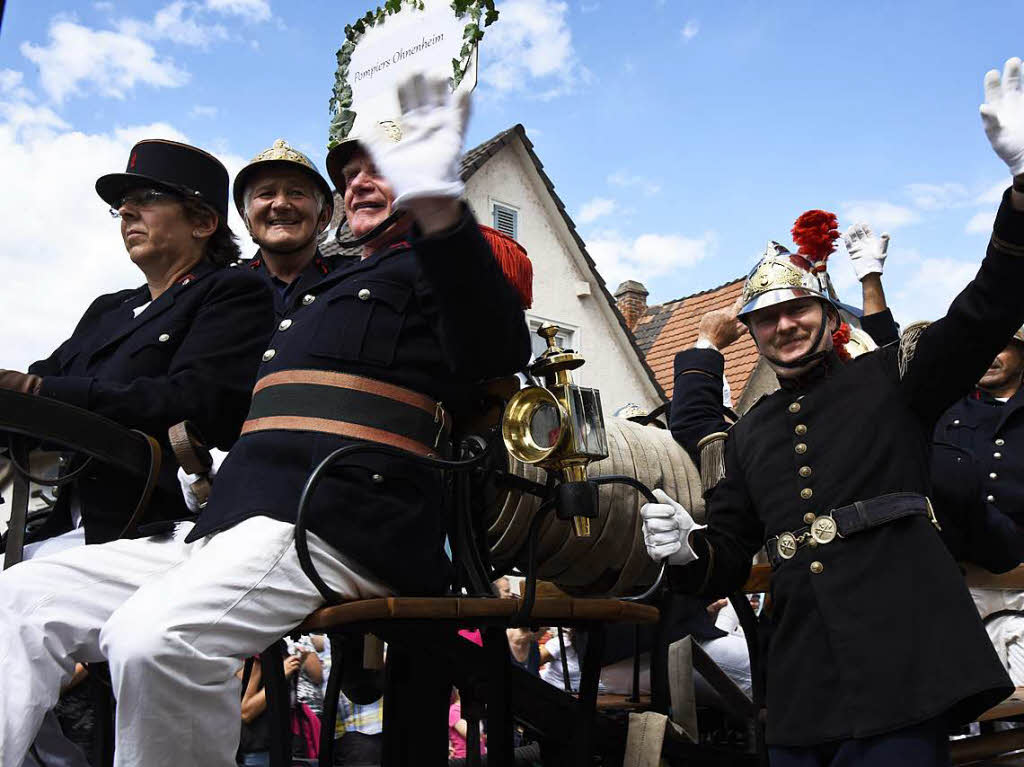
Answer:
(364, 294)
(164, 337)
(808, 517)
(268, 355)
(800, 448)
(1000, 442)
(308, 299)
(993, 475)
(794, 407)
(812, 543)
(800, 429)
(805, 471)
(990, 498)
(956, 421)
(997, 456)
(378, 478)
(285, 324)
(806, 493)
(817, 567)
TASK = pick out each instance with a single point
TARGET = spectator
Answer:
(457, 730)
(358, 738)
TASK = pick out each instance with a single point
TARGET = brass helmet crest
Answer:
(776, 279)
(280, 153)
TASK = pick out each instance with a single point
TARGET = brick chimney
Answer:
(631, 298)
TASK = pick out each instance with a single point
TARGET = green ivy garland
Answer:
(342, 116)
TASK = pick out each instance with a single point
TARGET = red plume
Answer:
(514, 263)
(839, 341)
(815, 234)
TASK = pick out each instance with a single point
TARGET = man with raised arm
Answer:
(876, 647)
(376, 351)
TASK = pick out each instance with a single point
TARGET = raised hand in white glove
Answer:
(667, 528)
(186, 480)
(423, 168)
(1003, 115)
(867, 251)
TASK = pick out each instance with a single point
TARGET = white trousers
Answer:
(174, 620)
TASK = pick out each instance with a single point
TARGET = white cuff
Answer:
(703, 343)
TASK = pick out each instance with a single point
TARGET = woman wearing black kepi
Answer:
(183, 346)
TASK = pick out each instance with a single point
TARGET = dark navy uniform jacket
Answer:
(978, 478)
(190, 355)
(877, 631)
(434, 315)
(318, 268)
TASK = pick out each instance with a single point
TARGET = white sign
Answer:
(405, 43)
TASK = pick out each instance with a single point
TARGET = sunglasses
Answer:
(142, 198)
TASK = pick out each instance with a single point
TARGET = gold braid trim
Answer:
(908, 345)
(1007, 247)
(712, 459)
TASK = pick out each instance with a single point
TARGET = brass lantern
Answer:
(559, 426)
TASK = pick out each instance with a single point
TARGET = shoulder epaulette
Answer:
(711, 450)
(908, 345)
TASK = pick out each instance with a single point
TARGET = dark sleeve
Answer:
(881, 327)
(210, 377)
(953, 352)
(726, 548)
(993, 540)
(482, 327)
(697, 398)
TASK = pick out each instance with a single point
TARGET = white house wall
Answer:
(509, 177)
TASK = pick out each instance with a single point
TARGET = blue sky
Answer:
(680, 135)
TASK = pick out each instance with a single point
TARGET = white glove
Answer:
(1003, 115)
(867, 252)
(186, 480)
(425, 163)
(667, 528)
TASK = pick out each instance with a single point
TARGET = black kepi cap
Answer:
(169, 165)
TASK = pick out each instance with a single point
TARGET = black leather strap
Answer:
(857, 517)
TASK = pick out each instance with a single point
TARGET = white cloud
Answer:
(879, 214)
(111, 63)
(530, 50)
(178, 22)
(75, 246)
(199, 110)
(937, 196)
(994, 194)
(646, 257)
(981, 222)
(647, 186)
(688, 32)
(103, 6)
(11, 85)
(930, 288)
(249, 10)
(595, 209)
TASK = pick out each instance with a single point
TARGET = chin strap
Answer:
(373, 234)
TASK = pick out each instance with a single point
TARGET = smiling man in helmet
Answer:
(830, 474)
(286, 205)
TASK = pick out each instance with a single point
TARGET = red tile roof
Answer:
(671, 327)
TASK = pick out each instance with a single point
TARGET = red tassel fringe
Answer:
(815, 233)
(840, 339)
(516, 265)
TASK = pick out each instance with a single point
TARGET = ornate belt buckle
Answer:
(786, 545)
(824, 530)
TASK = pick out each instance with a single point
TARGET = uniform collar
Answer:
(824, 369)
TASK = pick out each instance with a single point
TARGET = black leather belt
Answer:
(349, 406)
(846, 521)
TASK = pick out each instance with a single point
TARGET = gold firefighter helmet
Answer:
(280, 154)
(1019, 335)
(775, 279)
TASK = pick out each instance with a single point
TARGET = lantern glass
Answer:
(588, 433)
(545, 426)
